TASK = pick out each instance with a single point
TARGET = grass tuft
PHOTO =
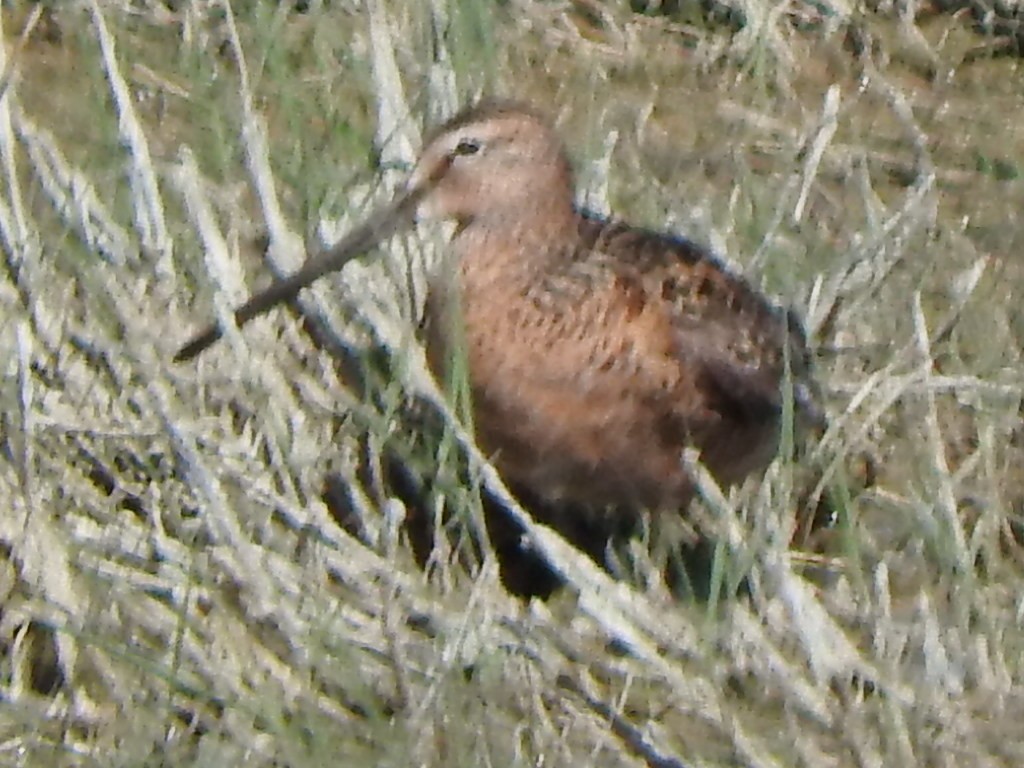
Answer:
(211, 564)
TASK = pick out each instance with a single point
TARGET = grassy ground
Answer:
(175, 592)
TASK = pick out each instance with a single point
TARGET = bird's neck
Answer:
(524, 240)
(497, 260)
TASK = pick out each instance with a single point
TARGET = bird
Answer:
(597, 351)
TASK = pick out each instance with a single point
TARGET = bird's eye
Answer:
(467, 147)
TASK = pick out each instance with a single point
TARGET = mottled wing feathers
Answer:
(729, 338)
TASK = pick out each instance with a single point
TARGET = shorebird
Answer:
(597, 351)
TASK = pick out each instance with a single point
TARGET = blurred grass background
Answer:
(176, 592)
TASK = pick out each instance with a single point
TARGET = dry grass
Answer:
(175, 592)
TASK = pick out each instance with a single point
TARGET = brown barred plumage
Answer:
(597, 351)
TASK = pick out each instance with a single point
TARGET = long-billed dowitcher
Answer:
(597, 351)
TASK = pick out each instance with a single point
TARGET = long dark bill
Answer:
(380, 225)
